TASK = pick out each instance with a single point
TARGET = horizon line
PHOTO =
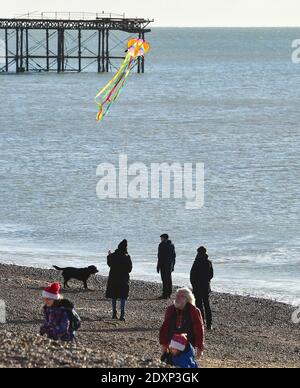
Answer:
(187, 26)
(225, 26)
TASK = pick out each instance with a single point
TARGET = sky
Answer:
(191, 13)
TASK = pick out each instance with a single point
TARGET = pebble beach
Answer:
(248, 333)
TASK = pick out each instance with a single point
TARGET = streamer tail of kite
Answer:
(109, 94)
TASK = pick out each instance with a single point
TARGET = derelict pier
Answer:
(67, 42)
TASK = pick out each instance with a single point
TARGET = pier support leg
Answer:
(140, 66)
(99, 50)
(58, 51)
(21, 50)
(107, 51)
(17, 51)
(6, 50)
(79, 51)
(61, 51)
(103, 50)
(47, 51)
(143, 58)
(27, 48)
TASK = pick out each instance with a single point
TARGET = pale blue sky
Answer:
(170, 13)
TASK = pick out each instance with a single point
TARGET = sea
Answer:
(227, 98)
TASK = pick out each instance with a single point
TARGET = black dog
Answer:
(82, 274)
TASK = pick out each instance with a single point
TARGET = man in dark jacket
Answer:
(201, 275)
(166, 264)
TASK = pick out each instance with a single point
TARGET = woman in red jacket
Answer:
(183, 318)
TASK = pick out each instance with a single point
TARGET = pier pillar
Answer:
(47, 51)
(27, 48)
(139, 59)
(99, 50)
(17, 51)
(107, 50)
(103, 50)
(60, 50)
(6, 50)
(143, 58)
(21, 51)
(79, 52)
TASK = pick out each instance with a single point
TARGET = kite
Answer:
(136, 48)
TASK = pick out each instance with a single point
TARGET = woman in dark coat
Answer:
(201, 275)
(118, 282)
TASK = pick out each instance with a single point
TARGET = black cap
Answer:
(165, 236)
(202, 250)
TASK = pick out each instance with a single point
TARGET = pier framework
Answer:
(22, 51)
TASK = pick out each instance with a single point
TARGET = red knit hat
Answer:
(52, 292)
(179, 342)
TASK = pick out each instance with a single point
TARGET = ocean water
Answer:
(228, 98)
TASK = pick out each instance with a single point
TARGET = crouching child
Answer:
(61, 320)
(181, 353)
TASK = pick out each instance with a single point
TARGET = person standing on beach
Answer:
(183, 317)
(201, 275)
(166, 264)
(120, 265)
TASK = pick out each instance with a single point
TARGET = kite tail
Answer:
(112, 90)
(100, 113)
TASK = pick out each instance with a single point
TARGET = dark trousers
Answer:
(123, 305)
(166, 277)
(202, 302)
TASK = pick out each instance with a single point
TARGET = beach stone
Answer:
(248, 332)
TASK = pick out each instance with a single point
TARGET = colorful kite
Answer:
(109, 94)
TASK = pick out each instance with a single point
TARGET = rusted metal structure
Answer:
(24, 52)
